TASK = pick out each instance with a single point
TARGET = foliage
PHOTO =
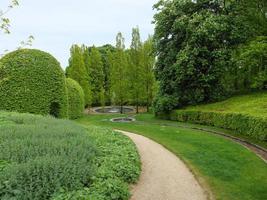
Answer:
(254, 127)
(136, 70)
(104, 51)
(243, 114)
(77, 71)
(43, 158)
(163, 104)
(75, 99)
(124, 76)
(117, 164)
(5, 22)
(253, 104)
(96, 73)
(44, 155)
(149, 82)
(5, 25)
(251, 60)
(32, 81)
(119, 73)
(196, 41)
(228, 169)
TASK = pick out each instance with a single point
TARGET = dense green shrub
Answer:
(42, 158)
(32, 81)
(252, 61)
(164, 104)
(44, 155)
(118, 164)
(255, 127)
(75, 99)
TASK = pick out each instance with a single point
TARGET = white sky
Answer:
(57, 24)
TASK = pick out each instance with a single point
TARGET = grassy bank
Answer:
(230, 171)
(245, 115)
(43, 158)
(254, 104)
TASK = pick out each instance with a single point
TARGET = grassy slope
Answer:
(39, 156)
(254, 104)
(231, 171)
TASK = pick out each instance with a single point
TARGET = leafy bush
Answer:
(255, 127)
(75, 99)
(32, 81)
(164, 104)
(252, 62)
(43, 156)
(117, 162)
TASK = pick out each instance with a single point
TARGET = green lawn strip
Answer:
(231, 171)
(148, 118)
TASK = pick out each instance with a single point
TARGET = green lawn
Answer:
(230, 171)
(254, 104)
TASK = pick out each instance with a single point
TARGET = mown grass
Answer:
(43, 158)
(254, 104)
(230, 171)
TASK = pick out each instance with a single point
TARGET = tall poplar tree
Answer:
(136, 69)
(77, 71)
(148, 71)
(119, 76)
(96, 75)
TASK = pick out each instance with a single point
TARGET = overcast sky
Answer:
(57, 24)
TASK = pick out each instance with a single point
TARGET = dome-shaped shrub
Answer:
(32, 81)
(75, 99)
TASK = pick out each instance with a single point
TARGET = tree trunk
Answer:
(137, 109)
(121, 109)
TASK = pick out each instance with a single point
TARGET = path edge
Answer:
(200, 180)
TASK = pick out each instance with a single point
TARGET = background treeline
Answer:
(115, 75)
(209, 50)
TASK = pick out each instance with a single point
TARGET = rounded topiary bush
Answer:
(75, 99)
(32, 81)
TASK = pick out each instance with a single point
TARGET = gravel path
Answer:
(164, 176)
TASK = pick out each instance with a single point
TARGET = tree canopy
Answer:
(116, 75)
(196, 42)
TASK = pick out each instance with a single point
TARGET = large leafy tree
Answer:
(195, 41)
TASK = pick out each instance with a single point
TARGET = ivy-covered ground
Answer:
(229, 170)
(44, 158)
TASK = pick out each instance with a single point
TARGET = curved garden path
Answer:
(164, 176)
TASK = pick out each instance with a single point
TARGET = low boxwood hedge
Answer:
(252, 126)
(75, 99)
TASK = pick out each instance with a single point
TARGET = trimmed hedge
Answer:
(75, 99)
(32, 81)
(252, 126)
